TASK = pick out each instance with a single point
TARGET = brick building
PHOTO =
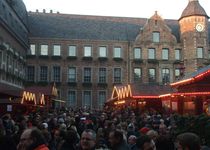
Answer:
(87, 55)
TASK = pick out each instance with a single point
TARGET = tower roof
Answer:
(193, 8)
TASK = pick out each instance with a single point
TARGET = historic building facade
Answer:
(87, 55)
(13, 47)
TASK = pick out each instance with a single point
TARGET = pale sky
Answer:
(168, 9)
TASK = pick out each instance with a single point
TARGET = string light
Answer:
(122, 92)
(191, 80)
(32, 97)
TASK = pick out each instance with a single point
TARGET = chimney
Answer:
(44, 11)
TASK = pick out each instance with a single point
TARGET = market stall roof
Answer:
(150, 89)
(49, 90)
(10, 91)
(139, 91)
(194, 77)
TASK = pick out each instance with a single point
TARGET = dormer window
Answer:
(156, 37)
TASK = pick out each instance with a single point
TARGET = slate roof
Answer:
(67, 26)
(20, 9)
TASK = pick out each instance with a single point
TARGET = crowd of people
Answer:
(82, 129)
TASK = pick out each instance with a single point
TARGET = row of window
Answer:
(11, 64)
(86, 98)
(72, 51)
(165, 74)
(11, 80)
(72, 74)
(165, 53)
(102, 52)
(102, 74)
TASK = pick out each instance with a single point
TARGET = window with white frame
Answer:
(165, 54)
(165, 75)
(101, 99)
(56, 50)
(72, 50)
(177, 54)
(71, 98)
(117, 52)
(87, 75)
(72, 74)
(137, 53)
(102, 51)
(87, 51)
(200, 52)
(102, 75)
(177, 73)
(31, 73)
(44, 50)
(137, 74)
(56, 72)
(152, 75)
(117, 75)
(43, 73)
(151, 53)
(156, 36)
(32, 49)
(86, 101)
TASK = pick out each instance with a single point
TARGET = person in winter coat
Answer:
(32, 139)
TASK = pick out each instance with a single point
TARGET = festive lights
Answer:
(182, 82)
(120, 102)
(32, 97)
(145, 96)
(191, 80)
(122, 92)
(54, 90)
(28, 96)
(184, 94)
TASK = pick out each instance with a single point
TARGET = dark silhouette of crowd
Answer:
(83, 129)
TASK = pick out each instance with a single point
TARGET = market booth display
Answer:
(31, 99)
(142, 97)
(191, 95)
(34, 97)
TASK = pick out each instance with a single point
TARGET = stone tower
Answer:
(194, 36)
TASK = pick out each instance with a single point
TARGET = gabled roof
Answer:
(194, 77)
